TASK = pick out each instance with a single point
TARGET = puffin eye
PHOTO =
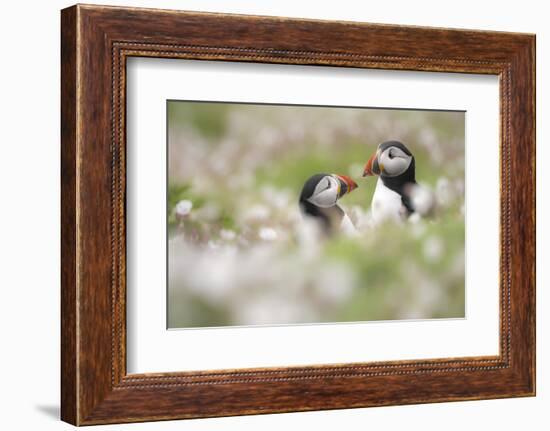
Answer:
(328, 185)
(390, 154)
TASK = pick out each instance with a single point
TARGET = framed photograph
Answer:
(265, 215)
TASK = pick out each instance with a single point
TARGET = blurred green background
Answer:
(241, 254)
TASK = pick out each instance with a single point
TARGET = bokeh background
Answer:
(239, 251)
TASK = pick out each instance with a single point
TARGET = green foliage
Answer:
(209, 119)
(391, 264)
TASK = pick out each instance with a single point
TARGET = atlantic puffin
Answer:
(319, 198)
(397, 195)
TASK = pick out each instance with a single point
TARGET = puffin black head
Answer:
(324, 190)
(391, 160)
(320, 194)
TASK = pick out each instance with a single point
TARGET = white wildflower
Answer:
(414, 218)
(422, 199)
(267, 234)
(256, 213)
(334, 283)
(272, 309)
(444, 191)
(213, 244)
(433, 249)
(277, 198)
(227, 234)
(359, 217)
(183, 208)
(417, 228)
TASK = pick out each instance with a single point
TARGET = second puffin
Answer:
(394, 164)
(319, 199)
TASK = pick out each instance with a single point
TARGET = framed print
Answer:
(317, 215)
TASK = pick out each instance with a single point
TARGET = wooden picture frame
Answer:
(95, 43)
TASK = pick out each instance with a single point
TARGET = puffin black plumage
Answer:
(395, 189)
(319, 198)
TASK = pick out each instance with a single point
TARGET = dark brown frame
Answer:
(95, 43)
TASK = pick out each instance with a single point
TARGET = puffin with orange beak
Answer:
(319, 198)
(395, 167)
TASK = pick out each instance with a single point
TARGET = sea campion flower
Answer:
(227, 234)
(433, 249)
(256, 212)
(422, 199)
(183, 208)
(267, 234)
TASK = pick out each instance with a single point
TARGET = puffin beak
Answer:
(372, 167)
(347, 185)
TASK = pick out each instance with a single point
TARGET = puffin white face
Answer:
(393, 161)
(326, 192)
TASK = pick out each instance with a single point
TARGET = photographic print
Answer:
(287, 214)
(233, 245)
